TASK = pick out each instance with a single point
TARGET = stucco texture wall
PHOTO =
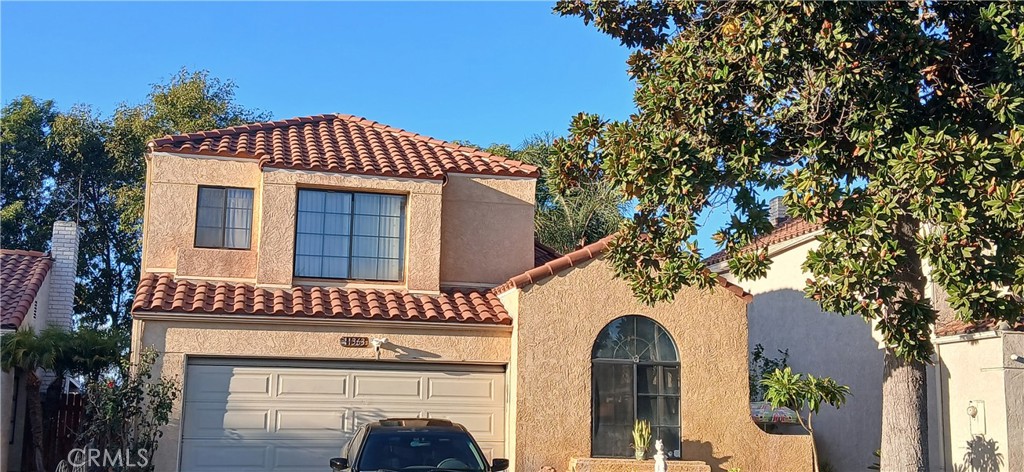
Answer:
(169, 231)
(557, 322)
(170, 218)
(823, 344)
(974, 370)
(486, 229)
(178, 340)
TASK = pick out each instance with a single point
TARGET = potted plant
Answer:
(641, 438)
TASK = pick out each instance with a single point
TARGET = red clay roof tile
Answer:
(163, 293)
(543, 253)
(954, 327)
(346, 144)
(580, 256)
(789, 229)
(22, 273)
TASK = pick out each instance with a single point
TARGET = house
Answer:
(302, 277)
(972, 364)
(36, 291)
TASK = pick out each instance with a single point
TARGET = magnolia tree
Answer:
(899, 127)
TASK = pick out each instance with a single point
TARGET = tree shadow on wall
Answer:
(702, 451)
(982, 456)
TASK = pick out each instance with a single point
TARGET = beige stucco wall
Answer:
(486, 229)
(11, 451)
(169, 223)
(557, 322)
(274, 339)
(823, 344)
(978, 368)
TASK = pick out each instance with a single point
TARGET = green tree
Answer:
(81, 166)
(571, 217)
(24, 162)
(898, 126)
(804, 394)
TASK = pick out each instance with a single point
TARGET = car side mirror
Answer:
(341, 463)
(499, 465)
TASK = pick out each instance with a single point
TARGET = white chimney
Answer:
(777, 211)
(64, 250)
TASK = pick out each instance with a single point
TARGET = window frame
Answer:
(224, 218)
(403, 240)
(636, 365)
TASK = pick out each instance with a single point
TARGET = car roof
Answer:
(418, 424)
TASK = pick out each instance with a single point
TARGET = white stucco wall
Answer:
(976, 370)
(826, 344)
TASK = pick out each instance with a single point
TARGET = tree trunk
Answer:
(904, 416)
(34, 411)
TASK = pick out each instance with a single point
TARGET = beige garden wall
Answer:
(556, 324)
(178, 337)
(486, 229)
(824, 344)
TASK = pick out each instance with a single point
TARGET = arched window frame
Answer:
(657, 359)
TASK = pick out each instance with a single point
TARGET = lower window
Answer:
(635, 374)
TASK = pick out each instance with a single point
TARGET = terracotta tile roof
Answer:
(22, 273)
(343, 143)
(163, 293)
(789, 229)
(580, 256)
(954, 327)
(543, 253)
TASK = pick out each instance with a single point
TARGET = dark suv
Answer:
(414, 444)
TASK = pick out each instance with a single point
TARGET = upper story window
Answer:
(224, 218)
(348, 235)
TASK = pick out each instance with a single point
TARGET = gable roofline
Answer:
(580, 256)
(789, 230)
(177, 144)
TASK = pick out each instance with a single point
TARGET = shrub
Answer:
(124, 414)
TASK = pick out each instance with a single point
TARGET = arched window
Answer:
(635, 376)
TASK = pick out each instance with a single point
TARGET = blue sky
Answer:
(483, 72)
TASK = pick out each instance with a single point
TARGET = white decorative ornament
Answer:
(659, 457)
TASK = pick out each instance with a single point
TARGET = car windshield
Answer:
(419, 450)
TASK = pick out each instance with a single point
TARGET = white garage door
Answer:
(294, 417)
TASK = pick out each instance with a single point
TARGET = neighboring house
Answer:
(36, 291)
(305, 276)
(972, 368)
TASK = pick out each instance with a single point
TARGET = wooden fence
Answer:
(62, 427)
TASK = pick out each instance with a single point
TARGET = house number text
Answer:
(355, 341)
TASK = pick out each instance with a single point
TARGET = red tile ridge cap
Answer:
(23, 252)
(159, 143)
(584, 254)
(533, 170)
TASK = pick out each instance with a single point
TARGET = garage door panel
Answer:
(218, 383)
(312, 422)
(310, 385)
(277, 455)
(282, 418)
(460, 389)
(226, 456)
(215, 421)
(387, 386)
